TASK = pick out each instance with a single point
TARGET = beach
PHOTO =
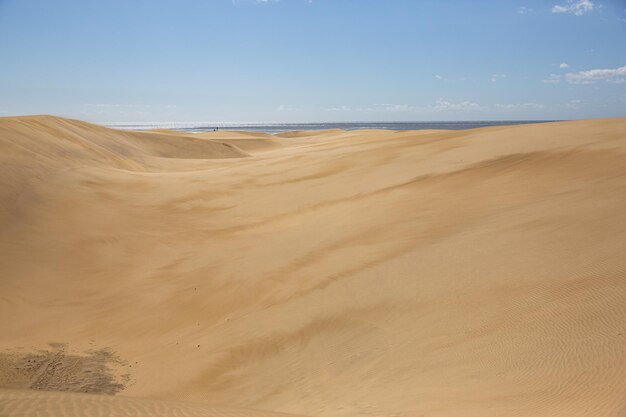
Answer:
(331, 273)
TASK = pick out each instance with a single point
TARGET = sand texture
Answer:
(476, 273)
(56, 404)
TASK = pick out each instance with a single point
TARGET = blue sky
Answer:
(313, 60)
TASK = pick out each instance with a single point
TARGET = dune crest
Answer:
(337, 273)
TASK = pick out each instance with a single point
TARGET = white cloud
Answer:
(524, 10)
(399, 107)
(563, 65)
(520, 106)
(394, 107)
(439, 105)
(340, 108)
(496, 77)
(385, 107)
(439, 77)
(130, 106)
(616, 75)
(286, 107)
(442, 104)
(576, 7)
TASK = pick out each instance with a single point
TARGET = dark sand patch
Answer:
(57, 370)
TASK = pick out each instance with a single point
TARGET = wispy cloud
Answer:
(616, 75)
(288, 108)
(524, 10)
(575, 7)
(130, 106)
(340, 108)
(442, 104)
(443, 78)
(563, 65)
(385, 107)
(496, 77)
(388, 107)
(395, 107)
(552, 79)
(520, 106)
(572, 104)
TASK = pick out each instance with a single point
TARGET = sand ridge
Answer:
(338, 273)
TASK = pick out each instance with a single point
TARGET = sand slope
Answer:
(57, 404)
(437, 274)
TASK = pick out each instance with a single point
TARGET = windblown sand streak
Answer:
(427, 273)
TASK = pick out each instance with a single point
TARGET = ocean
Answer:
(198, 127)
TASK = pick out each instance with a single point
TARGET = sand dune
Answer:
(309, 133)
(57, 404)
(334, 273)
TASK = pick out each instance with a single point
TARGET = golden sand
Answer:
(476, 273)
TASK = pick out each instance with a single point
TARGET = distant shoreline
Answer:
(200, 127)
